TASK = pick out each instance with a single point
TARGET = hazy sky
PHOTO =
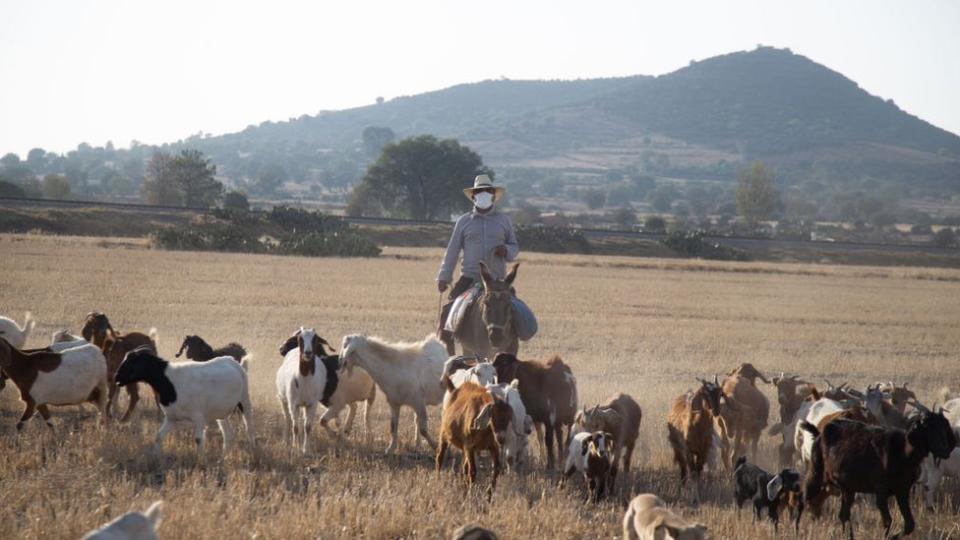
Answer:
(93, 71)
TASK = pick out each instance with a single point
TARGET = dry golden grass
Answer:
(642, 326)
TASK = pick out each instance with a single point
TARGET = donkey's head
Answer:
(496, 306)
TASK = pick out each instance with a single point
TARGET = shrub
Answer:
(311, 234)
(551, 239)
(654, 224)
(215, 236)
(693, 244)
(236, 200)
(338, 244)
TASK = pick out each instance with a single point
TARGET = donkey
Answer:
(487, 328)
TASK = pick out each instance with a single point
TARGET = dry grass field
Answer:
(646, 327)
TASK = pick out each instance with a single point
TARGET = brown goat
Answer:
(620, 415)
(853, 457)
(473, 421)
(745, 409)
(115, 346)
(549, 393)
(690, 427)
(791, 391)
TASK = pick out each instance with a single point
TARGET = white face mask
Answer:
(483, 200)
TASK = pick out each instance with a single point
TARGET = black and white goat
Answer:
(199, 393)
(300, 385)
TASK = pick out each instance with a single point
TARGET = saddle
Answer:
(525, 322)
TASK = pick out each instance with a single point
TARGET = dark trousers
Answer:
(461, 286)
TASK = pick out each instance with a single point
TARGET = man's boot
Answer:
(446, 337)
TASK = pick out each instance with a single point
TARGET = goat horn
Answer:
(917, 405)
(829, 384)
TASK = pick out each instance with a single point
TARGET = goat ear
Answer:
(483, 418)
(155, 513)
(584, 447)
(773, 487)
(289, 345)
(512, 275)
(319, 343)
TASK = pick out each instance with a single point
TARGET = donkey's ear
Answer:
(512, 275)
(485, 274)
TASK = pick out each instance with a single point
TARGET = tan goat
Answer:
(648, 518)
(620, 416)
(746, 409)
(690, 428)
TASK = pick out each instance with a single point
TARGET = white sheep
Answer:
(300, 384)
(70, 377)
(197, 392)
(14, 334)
(407, 373)
(131, 526)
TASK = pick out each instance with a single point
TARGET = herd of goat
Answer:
(835, 440)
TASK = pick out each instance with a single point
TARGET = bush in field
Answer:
(347, 243)
(215, 236)
(693, 244)
(551, 239)
(302, 232)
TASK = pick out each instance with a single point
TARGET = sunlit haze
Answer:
(156, 72)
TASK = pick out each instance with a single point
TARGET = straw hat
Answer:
(483, 181)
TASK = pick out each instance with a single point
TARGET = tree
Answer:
(236, 200)
(945, 237)
(55, 186)
(158, 186)
(756, 193)
(194, 176)
(186, 179)
(624, 217)
(10, 159)
(595, 198)
(270, 177)
(654, 224)
(422, 177)
(9, 189)
(375, 138)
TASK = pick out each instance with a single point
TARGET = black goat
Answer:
(858, 458)
(750, 482)
(783, 491)
(199, 350)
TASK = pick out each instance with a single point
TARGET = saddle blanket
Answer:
(524, 321)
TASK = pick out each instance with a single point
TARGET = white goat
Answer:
(817, 411)
(300, 385)
(933, 472)
(131, 526)
(481, 373)
(14, 334)
(407, 373)
(515, 449)
(197, 392)
(73, 376)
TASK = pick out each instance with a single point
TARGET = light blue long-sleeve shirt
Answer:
(477, 235)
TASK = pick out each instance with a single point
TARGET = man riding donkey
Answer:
(488, 241)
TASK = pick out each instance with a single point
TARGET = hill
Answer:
(699, 121)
